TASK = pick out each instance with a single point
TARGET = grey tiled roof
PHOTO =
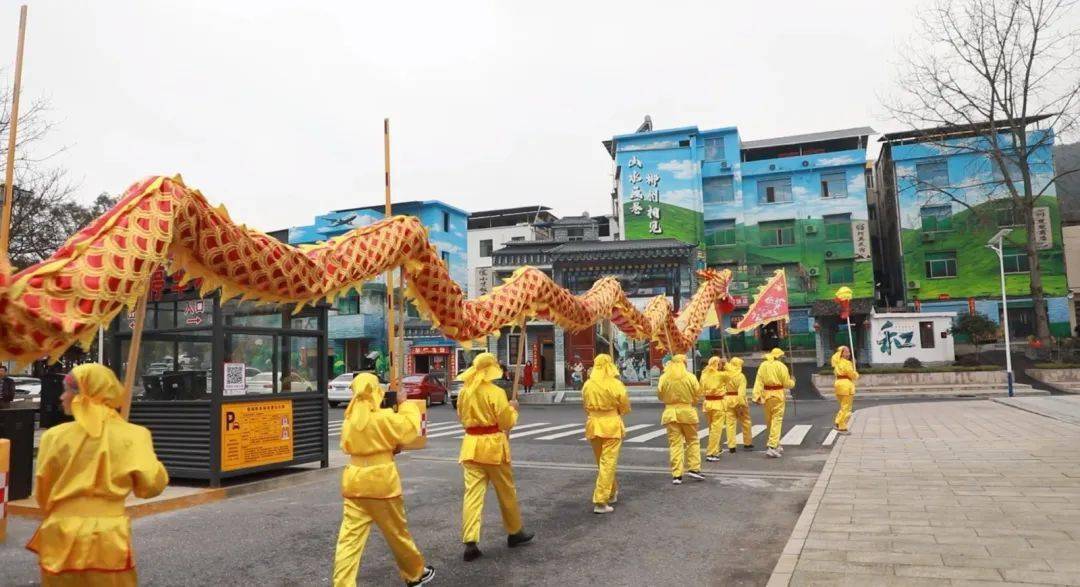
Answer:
(815, 137)
(632, 245)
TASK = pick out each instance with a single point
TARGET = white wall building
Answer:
(896, 337)
(489, 230)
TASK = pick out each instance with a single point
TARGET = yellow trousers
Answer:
(739, 414)
(90, 578)
(717, 424)
(606, 451)
(477, 478)
(844, 414)
(389, 516)
(684, 448)
(774, 418)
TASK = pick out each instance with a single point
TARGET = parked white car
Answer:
(27, 388)
(339, 391)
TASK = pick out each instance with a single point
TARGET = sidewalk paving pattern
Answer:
(972, 493)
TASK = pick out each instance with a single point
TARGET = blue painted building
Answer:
(358, 328)
(941, 198)
(796, 202)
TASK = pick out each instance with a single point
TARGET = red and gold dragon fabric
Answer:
(159, 221)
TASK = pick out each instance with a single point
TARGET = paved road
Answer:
(727, 530)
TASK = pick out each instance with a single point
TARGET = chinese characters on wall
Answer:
(860, 236)
(645, 199)
(1044, 235)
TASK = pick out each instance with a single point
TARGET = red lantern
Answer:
(845, 308)
(725, 305)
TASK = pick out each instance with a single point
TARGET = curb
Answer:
(209, 495)
(785, 566)
(1005, 402)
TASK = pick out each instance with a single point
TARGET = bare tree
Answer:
(43, 212)
(983, 73)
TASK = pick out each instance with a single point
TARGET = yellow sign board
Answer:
(256, 433)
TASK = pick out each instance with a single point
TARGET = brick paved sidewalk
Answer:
(947, 493)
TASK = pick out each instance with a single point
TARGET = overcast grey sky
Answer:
(275, 108)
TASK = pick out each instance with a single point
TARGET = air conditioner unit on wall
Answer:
(811, 229)
(928, 237)
(913, 284)
(813, 271)
(724, 165)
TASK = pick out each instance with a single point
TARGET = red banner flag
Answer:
(770, 305)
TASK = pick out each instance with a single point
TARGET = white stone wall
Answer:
(891, 345)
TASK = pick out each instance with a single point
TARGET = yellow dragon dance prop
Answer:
(106, 266)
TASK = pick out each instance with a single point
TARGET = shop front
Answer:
(431, 358)
(228, 389)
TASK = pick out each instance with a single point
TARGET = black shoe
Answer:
(731, 450)
(518, 539)
(472, 552)
(695, 475)
(429, 574)
(748, 446)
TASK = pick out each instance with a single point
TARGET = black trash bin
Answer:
(17, 425)
(51, 409)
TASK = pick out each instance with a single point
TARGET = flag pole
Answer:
(791, 362)
(391, 332)
(723, 335)
(13, 127)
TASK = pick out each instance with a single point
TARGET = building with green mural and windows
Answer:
(798, 203)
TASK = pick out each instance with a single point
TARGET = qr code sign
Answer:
(235, 378)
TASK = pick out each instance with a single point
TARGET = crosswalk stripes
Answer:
(830, 439)
(627, 429)
(516, 434)
(436, 426)
(647, 436)
(579, 430)
(754, 431)
(796, 435)
(447, 431)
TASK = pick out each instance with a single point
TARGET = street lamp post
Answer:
(996, 244)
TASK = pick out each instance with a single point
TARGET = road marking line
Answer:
(514, 435)
(448, 431)
(830, 439)
(648, 436)
(629, 429)
(796, 435)
(332, 422)
(516, 428)
(579, 430)
(435, 426)
(754, 431)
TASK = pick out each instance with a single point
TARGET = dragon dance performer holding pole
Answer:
(714, 381)
(770, 385)
(844, 370)
(370, 483)
(487, 417)
(85, 471)
(680, 392)
(738, 411)
(605, 401)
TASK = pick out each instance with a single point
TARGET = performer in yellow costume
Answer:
(769, 385)
(714, 379)
(485, 453)
(85, 471)
(370, 483)
(680, 392)
(605, 401)
(844, 370)
(735, 405)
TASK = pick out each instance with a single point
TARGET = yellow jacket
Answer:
(605, 401)
(736, 382)
(680, 392)
(486, 405)
(772, 374)
(85, 471)
(714, 380)
(845, 373)
(372, 472)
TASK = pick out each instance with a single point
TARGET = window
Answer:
(838, 227)
(516, 238)
(485, 248)
(794, 283)
(777, 234)
(936, 218)
(349, 304)
(1006, 214)
(446, 222)
(445, 259)
(718, 189)
(834, 185)
(931, 175)
(714, 149)
(1016, 262)
(720, 232)
(926, 334)
(840, 271)
(941, 264)
(1011, 166)
(773, 191)
(575, 234)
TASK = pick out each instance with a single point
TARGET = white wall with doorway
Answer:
(481, 243)
(896, 337)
